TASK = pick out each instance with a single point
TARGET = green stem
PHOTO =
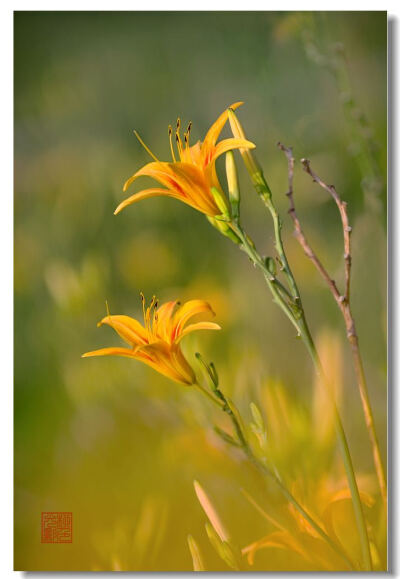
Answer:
(346, 456)
(273, 283)
(208, 394)
(226, 406)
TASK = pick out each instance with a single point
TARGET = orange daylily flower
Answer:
(157, 343)
(192, 177)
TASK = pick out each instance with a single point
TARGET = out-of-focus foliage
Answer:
(108, 439)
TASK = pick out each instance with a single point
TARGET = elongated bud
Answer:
(210, 511)
(249, 159)
(198, 564)
(223, 548)
(238, 132)
(221, 202)
(224, 228)
(233, 184)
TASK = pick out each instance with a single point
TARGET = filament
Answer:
(178, 137)
(143, 306)
(179, 144)
(139, 138)
(170, 143)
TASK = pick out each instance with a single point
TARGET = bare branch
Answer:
(343, 302)
(342, 206)
(298, 232)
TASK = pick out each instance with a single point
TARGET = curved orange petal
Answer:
(192, 154)
(214, 131)
(110, 352)
(195, 327)
(183, 365)
(146, 194)
(128, 328)
(339, 497)
(183, 181)
(166, 361)
(187, 311)
(229, 145)
(191, 181)
(149, 170)
(277, 539)
(163, 321)
(166, 174)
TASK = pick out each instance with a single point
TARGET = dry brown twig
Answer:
(342, 300)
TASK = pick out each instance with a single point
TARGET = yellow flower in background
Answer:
(192, 177)
(157, 342)
(333, 510)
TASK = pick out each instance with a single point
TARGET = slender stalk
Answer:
(226, 406)
(369, 419)
(345, 451)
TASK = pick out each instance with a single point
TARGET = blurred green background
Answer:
(109, 439)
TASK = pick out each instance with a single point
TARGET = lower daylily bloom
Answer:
(191, 176)
(157, 342)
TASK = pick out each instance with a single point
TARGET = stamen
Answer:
(108, 316)
(170, 143)
(148, 314)
(139, 138)
(189, 128)
(143, 306)
(178, 137)
(179, 144)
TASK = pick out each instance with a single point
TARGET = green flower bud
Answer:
(233, 184)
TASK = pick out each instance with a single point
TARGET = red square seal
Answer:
(56, 527)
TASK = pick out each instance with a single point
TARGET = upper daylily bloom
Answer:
(157, 342)
(191, 176)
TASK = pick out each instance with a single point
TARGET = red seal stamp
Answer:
(56, 527)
